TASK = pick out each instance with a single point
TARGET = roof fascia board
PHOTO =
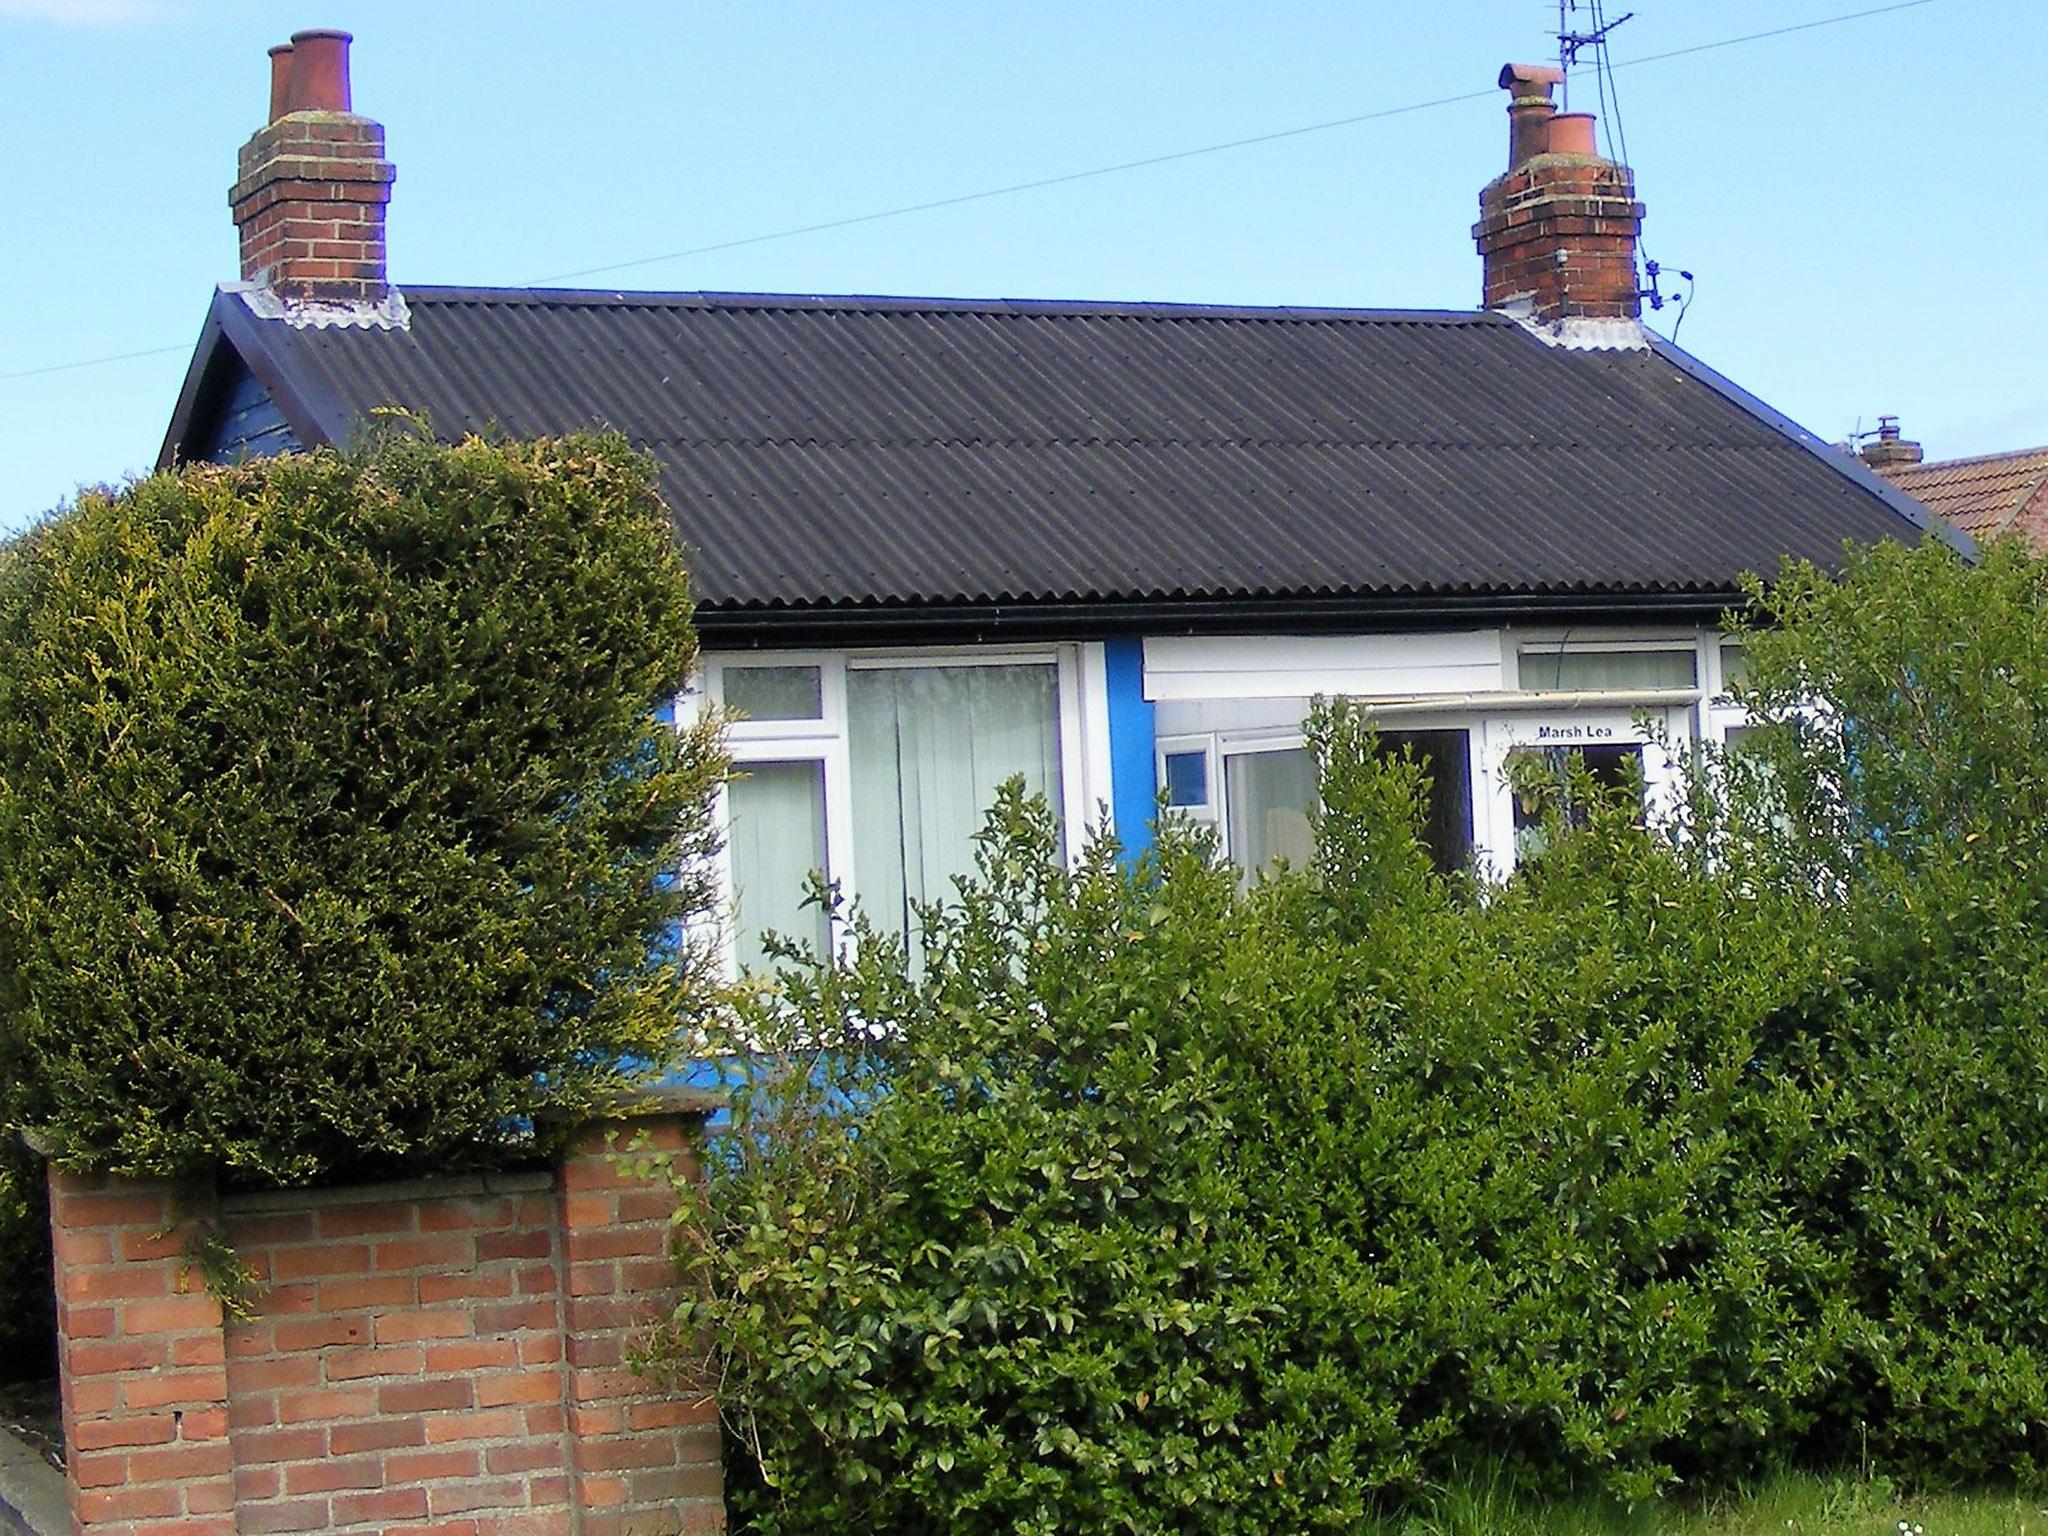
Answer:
(1844, 464)
(744, 628)
(192, 392)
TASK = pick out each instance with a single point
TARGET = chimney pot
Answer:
(280, 79)
(1571, 133)
(1890, 450)
(317, 80)
(1529, 109)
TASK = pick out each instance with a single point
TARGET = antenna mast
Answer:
(1571, 41)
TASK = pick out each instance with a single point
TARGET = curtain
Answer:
(1269, 796)
(776, 839)
(930, 746)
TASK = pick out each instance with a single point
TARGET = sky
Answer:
(1860, 203)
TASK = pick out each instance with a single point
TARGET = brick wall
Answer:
(446, 1356)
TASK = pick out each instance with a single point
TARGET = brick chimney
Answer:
(1888, 450)
(311, 185)
(1557, 232)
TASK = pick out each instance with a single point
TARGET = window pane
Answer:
(1560, 671)
(1187, 778)
(1270, 796)
(1446, 756)
(775, 693)
(1612, 769)
(1734, 665)
(776, 839)
(930, 746)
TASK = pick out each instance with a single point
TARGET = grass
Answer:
(1786, 1506)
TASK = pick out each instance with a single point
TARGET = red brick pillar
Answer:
(643, 1461)
(142, 1358)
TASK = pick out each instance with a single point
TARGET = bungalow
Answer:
(1114, 548)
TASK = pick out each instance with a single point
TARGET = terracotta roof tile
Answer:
(1982, 496)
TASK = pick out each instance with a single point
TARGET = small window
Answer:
(1187, 780)
(1554, 669)
(1272, 797)
(1734, 665)
(775, 693)
(1615, 770)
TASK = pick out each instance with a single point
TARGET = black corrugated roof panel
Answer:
(863, 452)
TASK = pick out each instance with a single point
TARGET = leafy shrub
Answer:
(1921, 795)
(1148, 1202)
(337, 830)
(1156, 1205)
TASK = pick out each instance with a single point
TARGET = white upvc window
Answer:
(876, 769)
(1607, 666)
(1627, 701)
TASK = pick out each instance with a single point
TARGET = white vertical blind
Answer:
(776, 838)
(929, 747)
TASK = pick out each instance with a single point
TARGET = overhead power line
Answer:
(94, 362)
(1067, 178)
(1149, 161)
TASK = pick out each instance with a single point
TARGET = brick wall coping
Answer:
(637, 1104)
(440, 1186)
(664, 1099)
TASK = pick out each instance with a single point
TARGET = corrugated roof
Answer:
(825, 452)
(1991, 494)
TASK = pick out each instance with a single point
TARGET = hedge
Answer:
(1150, 1202)
(338, 830)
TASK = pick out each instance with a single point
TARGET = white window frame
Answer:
(827, 740)
(1229, 744)
(1209, 812)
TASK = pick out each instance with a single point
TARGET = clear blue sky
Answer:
(1861, 203)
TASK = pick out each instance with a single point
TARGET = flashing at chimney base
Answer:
(390, 313)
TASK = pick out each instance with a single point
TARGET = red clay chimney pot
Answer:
(318, 78)
(1529, 108)
(280, 79)
(1571, 133)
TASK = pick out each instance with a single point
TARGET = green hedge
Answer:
(337, 830)
(1150, 1203)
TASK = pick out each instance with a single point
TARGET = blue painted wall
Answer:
(1133, 771)
(250, 423)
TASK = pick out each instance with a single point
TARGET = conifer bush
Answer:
(1150, 1201)
(339, 833)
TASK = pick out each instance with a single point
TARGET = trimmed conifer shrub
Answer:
(340, 829)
